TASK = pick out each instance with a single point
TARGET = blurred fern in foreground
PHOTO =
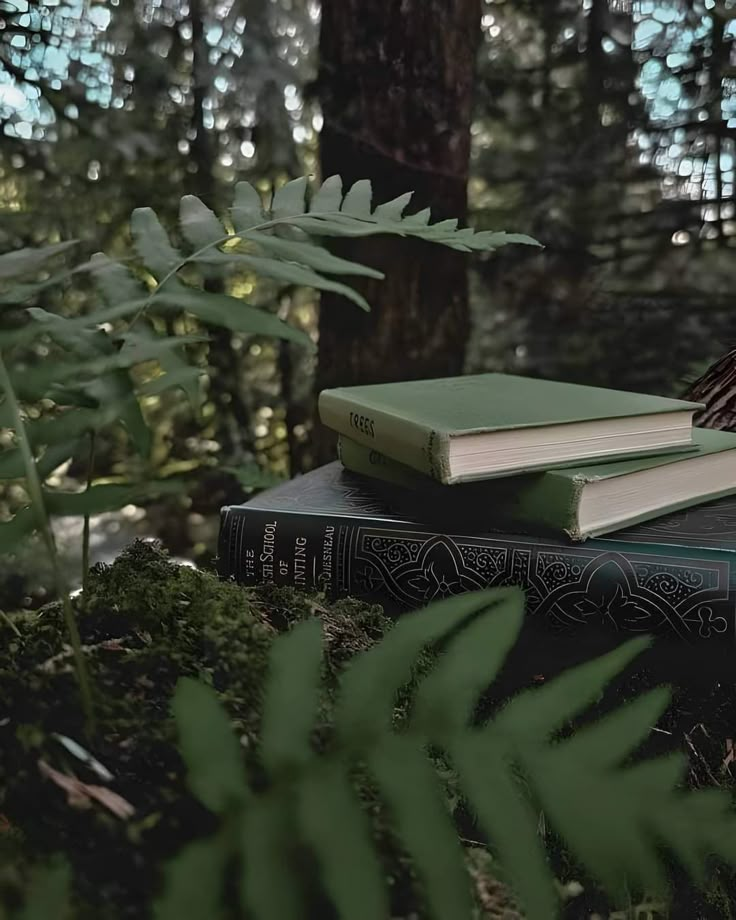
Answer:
(616, 816)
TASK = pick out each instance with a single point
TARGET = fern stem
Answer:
(85, 528)
(256, 228)
(35, 493)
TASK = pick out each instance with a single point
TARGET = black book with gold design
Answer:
(344, 534)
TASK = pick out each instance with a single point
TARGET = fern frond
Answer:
(336, 828)
(11, 460)
(24, 262)
(14, 532)
(332, 213)
(267, 847)
(194, 883)
(117, 282)
(48, 894)
(307, 254)
(289, 258)
(506, 816)
(210, 750)
(416, 805)
(614, 816)
(292, 696)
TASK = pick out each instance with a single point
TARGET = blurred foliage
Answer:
(100, 367)
(604, 128)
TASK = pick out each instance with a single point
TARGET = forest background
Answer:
(604, 128)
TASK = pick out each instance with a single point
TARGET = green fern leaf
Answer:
(22, 293)
(247, 209)
(328, 196)
(69, 426)
(85, 343)
(117, 390)
(316, 257)
(357, 201)
(13, 467)
(230, 313)
(420, 220)
(109, 496)
(608, 742)
(392, 210)
(48, 894)
(491, 239)
(542, 711)
(181, 374)
(327, 224)
(485, 768)
(16, 530)
(140, 347)
(288, 201)
(114, 281)
(30, 261)
(334, 826)
(7, 418)
(180, 377)
(199, 225)
(28, 333)
(98, 349)
(172, 360)
(579, 802)
(270, 888)
(290, 273)
(695, 825)
(153, 245)
(413, 793)
(331, 215)
(108, 387)
(466, 668)
(209, 748)
(193, 883)
(291, 700)
(369, 687)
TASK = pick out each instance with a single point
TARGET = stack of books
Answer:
(455, 484)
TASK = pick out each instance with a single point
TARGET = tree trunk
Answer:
(396, 80)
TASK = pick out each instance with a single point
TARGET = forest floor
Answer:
(146, 622)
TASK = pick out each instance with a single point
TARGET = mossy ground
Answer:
(145, 622)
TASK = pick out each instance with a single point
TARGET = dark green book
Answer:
(579, 501)
(458, 429)
(345, 534)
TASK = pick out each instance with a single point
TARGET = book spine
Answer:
(403, 439)
(403, 566)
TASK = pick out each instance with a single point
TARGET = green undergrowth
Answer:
(145, 622)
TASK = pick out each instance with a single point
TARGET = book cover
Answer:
(414, 421)
(551, 500)
(334, 531)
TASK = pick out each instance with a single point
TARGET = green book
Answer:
(458, 429)
(582, 501)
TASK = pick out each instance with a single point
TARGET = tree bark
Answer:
(396, 80)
